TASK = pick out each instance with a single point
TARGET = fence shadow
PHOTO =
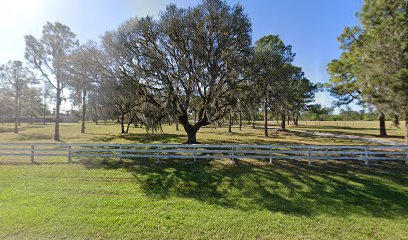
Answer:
(290, 187)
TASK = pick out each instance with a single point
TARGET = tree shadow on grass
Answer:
(290, 187)
(143, 138)
(338, 130)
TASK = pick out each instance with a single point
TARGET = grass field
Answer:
(105, 199)
(111, 133)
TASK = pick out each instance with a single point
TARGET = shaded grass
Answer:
(207, 200)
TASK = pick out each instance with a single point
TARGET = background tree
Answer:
(16, 79)
(196, 52)
(374, 61)
(48, 55)
(271, 56)
(83, 74)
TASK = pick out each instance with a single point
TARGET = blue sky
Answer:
(310, 26)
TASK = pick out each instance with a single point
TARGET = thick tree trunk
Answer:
(240, 120)
(57, 114)
(191, 133)
(83, 111)
(283, 122)
(230, 122)
(266, 115)
(383, 130)
(17, 112)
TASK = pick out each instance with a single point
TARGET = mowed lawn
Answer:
(110, 133)
(248, 199)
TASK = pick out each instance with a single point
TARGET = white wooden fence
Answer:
(309, 153)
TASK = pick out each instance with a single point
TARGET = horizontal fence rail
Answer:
(204, 151)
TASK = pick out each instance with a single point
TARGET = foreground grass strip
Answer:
(206, 200)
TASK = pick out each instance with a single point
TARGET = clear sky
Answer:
(310, 26)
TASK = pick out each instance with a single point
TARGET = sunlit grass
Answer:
(110, 133)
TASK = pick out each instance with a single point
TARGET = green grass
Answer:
(356, 128)
(208, 200)
(110, 133)
(137, 199)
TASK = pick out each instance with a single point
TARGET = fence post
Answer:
(366, 156)
(120, 154)
(32, 153)
(194, 154)
(69, 154)
(158, 155)
(270, 155)
(232, 154)
(406, 156)
(309, 156)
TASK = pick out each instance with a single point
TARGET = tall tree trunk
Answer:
(266, 115)
(177, 126)
(96, 115)
(383, 131)
(57, 114)
(127, 127)
(288, 119)
(253, 119)
(240, 120)
(122, 122)
(44, 108)
(406, 128)
(396, 120)
(295, 120)
(83, 111)
(230, 122)
(17, 111)
(283, 122)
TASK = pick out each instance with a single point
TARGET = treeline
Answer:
(193, 66)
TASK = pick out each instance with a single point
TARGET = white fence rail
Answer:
(198, 151)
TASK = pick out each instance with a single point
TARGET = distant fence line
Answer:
(205, 151)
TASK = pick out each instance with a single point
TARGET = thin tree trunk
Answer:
(295, 120)
(383, 130)
(240, 120)
(283, 122)
(253, 120)
(195, 116)
(396, 120)
(230, 122)
(96, 116)
(17, 111)
(83, 111)
(127, 127)
(266, 115)
(122, 122)
(57, 114)
(177, 126)
(406, 128)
